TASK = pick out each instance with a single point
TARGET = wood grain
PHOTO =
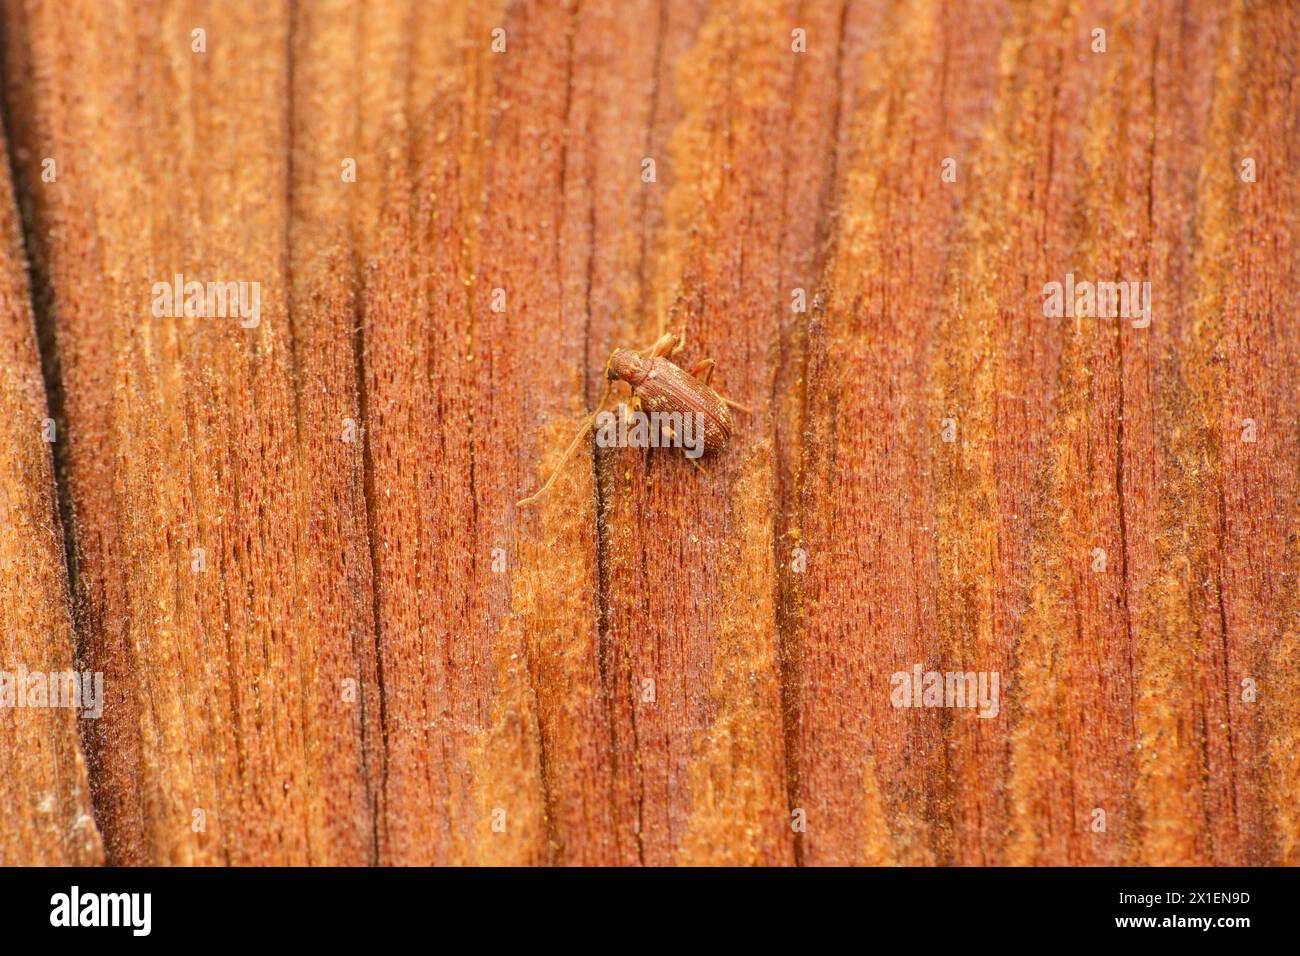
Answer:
(43, 783)
(384, 661)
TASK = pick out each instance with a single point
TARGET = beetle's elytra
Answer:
(660, 385)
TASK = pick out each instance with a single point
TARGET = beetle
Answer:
(659, 385)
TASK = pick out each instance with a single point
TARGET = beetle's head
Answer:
(625, 364)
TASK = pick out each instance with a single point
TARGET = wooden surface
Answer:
(385, 661)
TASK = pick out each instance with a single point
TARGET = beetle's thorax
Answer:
(628, 365)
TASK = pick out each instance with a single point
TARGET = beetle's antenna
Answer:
(568, 452)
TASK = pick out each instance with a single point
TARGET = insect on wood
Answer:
(659, 385)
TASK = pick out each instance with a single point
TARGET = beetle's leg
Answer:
(662, 346)
(666, 431)
(681, 341)
(631, 407)
(703, 369)
(685, 451)
(744, 408)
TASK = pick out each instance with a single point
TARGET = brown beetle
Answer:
(659, 385)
